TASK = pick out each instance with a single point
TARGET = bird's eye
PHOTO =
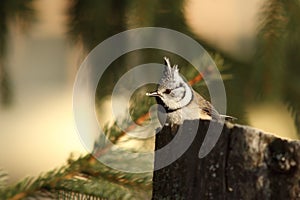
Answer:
(167, 91)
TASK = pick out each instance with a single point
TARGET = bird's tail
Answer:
(228, 118)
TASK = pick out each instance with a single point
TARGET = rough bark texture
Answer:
(244, 164)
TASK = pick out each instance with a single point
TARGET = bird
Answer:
(179, 101)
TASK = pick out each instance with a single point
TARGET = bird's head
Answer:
(172, 90)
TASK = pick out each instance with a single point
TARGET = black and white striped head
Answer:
(172, 90)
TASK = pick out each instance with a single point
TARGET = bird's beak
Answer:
(152, 94)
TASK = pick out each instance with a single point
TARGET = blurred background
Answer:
(255, 45)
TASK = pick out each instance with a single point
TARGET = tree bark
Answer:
(245, 163)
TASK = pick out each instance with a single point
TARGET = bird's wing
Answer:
(206, 106)
(209, 109)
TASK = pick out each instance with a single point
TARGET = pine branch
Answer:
(3, 179)
(86, 176)
(276, 69)
(11, 11)
(267, 71)
(292, 84)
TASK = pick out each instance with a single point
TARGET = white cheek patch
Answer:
(178, 93)
(187, 96)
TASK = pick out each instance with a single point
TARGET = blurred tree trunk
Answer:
(244, 164)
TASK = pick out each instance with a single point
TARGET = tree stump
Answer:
(245, 163)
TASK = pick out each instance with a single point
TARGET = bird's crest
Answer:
(170, 73)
